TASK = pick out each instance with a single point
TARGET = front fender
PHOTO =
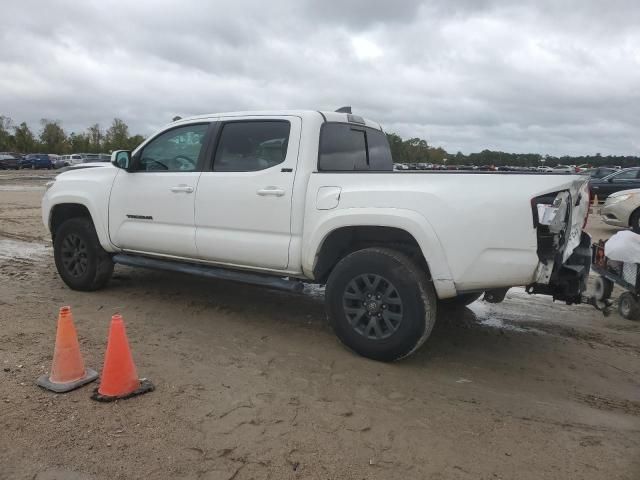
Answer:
(94, 200)
(408, 220)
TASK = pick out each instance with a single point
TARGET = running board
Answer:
(268, 281)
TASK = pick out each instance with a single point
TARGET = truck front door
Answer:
(151, 207)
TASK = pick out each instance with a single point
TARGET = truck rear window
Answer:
(348, 147)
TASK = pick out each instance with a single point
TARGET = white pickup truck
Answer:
(281, 198)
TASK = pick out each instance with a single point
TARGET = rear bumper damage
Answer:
(564, 249)
(568, 281)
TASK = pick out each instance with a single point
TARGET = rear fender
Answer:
(408, 220)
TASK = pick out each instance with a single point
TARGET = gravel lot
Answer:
(252, 383)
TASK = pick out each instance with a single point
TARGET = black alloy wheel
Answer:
(380, 303)
(373, 306)
(74, 255)
(80, 259)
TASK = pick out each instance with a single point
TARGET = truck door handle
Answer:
(273, 191)
(181, 189)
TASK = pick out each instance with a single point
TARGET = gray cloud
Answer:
(546, 76)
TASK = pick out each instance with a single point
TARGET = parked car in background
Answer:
(55, 159)
(72, 159)
(545, 169)
(36, 161)
(61, 161)
(9, 160)
(619, 180)
(622, 209)
(95, 157)
(563, 169)
(599, 172)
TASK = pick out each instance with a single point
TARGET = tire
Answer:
(634, 221)
(602, 288)
(628, 306)
(380, 303)
(460, 301)
(92, 267)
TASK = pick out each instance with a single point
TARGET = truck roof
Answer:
(328, 116)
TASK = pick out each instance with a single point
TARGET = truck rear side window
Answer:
(379, 150)
(346, 147)
(251, 146)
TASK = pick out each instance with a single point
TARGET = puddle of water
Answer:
(487, 318)
(17, 249)
(313, 290)
(21, 188)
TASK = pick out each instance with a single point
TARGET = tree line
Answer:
(417, 150)
(52, 138)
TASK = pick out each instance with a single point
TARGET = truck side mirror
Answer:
(121, 159)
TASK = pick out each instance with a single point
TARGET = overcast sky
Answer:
(556, 77)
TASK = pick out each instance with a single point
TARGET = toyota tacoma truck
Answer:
(290, 197)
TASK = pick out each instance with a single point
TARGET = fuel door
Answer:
(328, 198)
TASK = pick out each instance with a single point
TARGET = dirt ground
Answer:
(252, 383)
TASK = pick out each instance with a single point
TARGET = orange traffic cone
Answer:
(67, 370)
(119, 376)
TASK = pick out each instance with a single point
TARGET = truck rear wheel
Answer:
(380, 303)
(81, 262)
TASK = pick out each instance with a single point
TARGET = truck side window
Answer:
(249, 146)
(176, 150)
(379, 151)
(342, 148)
(347, 147)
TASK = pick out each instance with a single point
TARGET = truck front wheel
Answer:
(81, 261)
(380, 303)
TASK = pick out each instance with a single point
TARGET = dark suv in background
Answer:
(9, 160)
(37, 160)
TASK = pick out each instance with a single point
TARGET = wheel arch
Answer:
(351, 230)
(63, 212)
(73, 208)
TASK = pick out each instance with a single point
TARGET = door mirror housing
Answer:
(121, 159)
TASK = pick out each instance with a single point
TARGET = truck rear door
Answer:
(243, 200)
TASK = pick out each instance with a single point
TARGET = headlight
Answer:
(618, 198)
